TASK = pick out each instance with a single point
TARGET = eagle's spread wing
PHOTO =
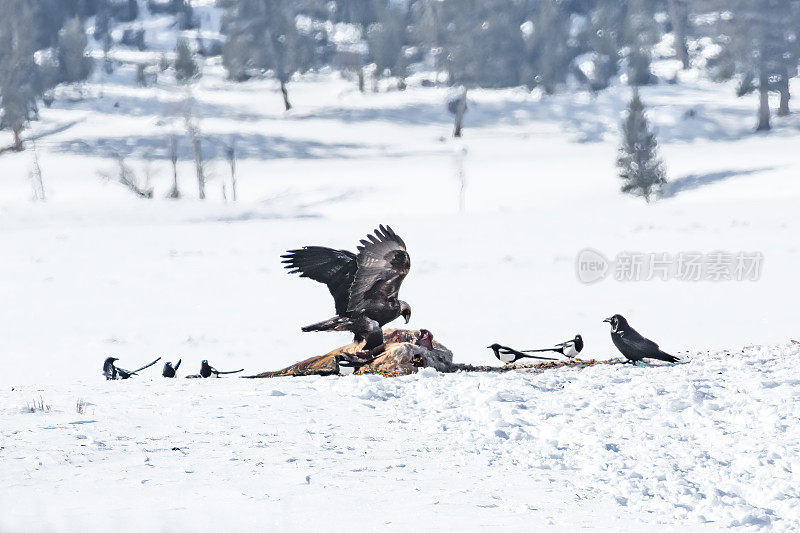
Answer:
(634, 340)
(382, 265)
(334, 268)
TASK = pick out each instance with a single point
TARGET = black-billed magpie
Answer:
(169, 370)
(569, 349)
(207, 370)
(112, 371)
(509, 355)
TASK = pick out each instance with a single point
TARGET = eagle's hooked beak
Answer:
(607, 319)
(405, 311)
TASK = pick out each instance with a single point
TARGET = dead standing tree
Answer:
(461, 177)
(230, 155)
(174, 193)
(230, 152)
(457, 106)
(196, 140)
(37, 183)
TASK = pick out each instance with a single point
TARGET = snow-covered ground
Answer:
(494, 224)
(692, 447)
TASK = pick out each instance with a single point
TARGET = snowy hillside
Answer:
(494, 222)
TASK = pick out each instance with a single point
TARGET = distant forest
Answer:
(554, 45)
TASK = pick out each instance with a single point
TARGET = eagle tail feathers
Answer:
(336, 323)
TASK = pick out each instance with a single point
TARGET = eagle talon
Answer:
(360, 358)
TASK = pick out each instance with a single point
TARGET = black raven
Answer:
(364, 286)
(632, 345)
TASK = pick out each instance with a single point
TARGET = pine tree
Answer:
(132, 11)
(482, 41)
(549, 53)
(604, 34)
(20, 86)
(262, 35)
(102, 24)
(52, 15)
(186, 68)
(679, 19)
(360, 12)
(639, 165)
(385, 40)
(641, 34)
(75, 65)
(760, 45)
(186, 17)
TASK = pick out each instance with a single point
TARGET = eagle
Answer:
(364, 286)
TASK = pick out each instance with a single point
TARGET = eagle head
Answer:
(405, 311)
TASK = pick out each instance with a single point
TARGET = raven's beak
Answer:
(407, 317)
(607, 319)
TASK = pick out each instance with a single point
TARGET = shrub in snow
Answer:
(639, 165)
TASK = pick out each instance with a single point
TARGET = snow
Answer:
(709, 443)
(706, 444)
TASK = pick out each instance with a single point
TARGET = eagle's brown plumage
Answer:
(364, 287)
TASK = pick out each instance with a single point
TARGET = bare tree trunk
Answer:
(285, 94)
(457, 105)
(360, 70)
(678, 13)
(173, 156)
(763, 107)
(232, 162)
(437, 62)
(198, 165)
(193, 132)
(195, 137)
(462, 179)
(783, 108)
(17, 140)
(37, 180)
(457, 128)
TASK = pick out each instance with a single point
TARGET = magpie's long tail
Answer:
(336, 323)
(662, 356)
(541, 350)
(177, 365)
(231, 371)
(146, 366)
(520, 354)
